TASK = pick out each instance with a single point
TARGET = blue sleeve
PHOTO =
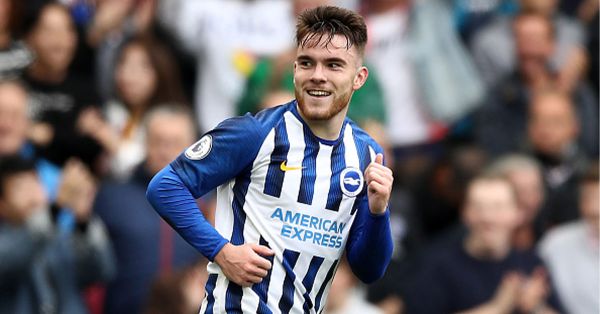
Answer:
(369, 248)
(216, 158)
(174, 202)
(220, 155)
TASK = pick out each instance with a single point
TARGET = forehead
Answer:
(320, 47)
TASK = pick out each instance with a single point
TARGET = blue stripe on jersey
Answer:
(338, 163)
(309, 280)
(324, 285)
(233, 298)
(234, 292)
(364, 159)
(309, 168)
(274, 179)
(287, 297)
(261, 288)
(210, 297)
(240, 188)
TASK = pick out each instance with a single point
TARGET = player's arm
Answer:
(369, 247)
(218, 157)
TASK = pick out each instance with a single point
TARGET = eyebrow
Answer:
(327, 60)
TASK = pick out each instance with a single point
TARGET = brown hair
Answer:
(168, 87)
(329, 21)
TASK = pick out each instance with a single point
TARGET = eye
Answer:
(335, 65)
(304, 63)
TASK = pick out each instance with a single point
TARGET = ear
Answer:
(294, 76)
(360, 78)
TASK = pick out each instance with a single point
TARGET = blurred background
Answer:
(487, 109)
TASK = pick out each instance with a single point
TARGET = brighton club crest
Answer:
(351, 181)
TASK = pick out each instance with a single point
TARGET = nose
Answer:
(318, 75)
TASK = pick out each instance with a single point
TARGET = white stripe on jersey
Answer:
(372, 153)
(323, 180)
(300, 270)
(276, 284)
(295, 134)
(351, 157)
(220, 294)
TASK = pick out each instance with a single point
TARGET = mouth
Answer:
(318, 93)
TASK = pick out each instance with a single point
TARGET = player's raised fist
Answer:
(244, 264)
(379, 185)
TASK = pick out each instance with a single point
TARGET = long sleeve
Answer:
(174, 202)
(369, 248)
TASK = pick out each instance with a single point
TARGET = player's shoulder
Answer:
(268, 118)
(362, 138)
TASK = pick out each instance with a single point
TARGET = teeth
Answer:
(318, 93)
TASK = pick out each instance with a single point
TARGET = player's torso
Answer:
(299, 198)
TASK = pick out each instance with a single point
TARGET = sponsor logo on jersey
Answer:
(351, 181)
(285, 167)
(200, 149)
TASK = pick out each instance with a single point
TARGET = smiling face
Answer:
(326, 73)
(491, 213)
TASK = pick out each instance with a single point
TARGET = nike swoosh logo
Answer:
(284, 167)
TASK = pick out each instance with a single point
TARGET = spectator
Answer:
(552, 136)
(420, 71)
(115, 22)
(483, 273)
(571, 251)
(49, 254)
(179, 292)
(525, 174)
(145, 245)
(346, 296)
(14, 124)
(58, 97)
(567, 59)
(14, 55)
(145, 76)
(227, 37)
(501, 121)
(471, 16)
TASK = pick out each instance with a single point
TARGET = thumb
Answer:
(379, 159)
(262, 250)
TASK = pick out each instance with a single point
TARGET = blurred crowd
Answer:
(487, 109)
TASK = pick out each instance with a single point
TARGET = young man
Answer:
(483, 272)
(298, 185)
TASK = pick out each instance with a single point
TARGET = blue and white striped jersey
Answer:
(281, 186)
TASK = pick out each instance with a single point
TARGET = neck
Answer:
(41, 73)
(476, 248)
(326, 129)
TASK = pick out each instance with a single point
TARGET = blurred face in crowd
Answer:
(325, 76)
(167, 135)
(545, 7)
(136, 77)
(533, 39)
(589, 198)
(552, 124)
(23, 195)
(529, 190)
(13, 118)
(491, 213)
(54, 39)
